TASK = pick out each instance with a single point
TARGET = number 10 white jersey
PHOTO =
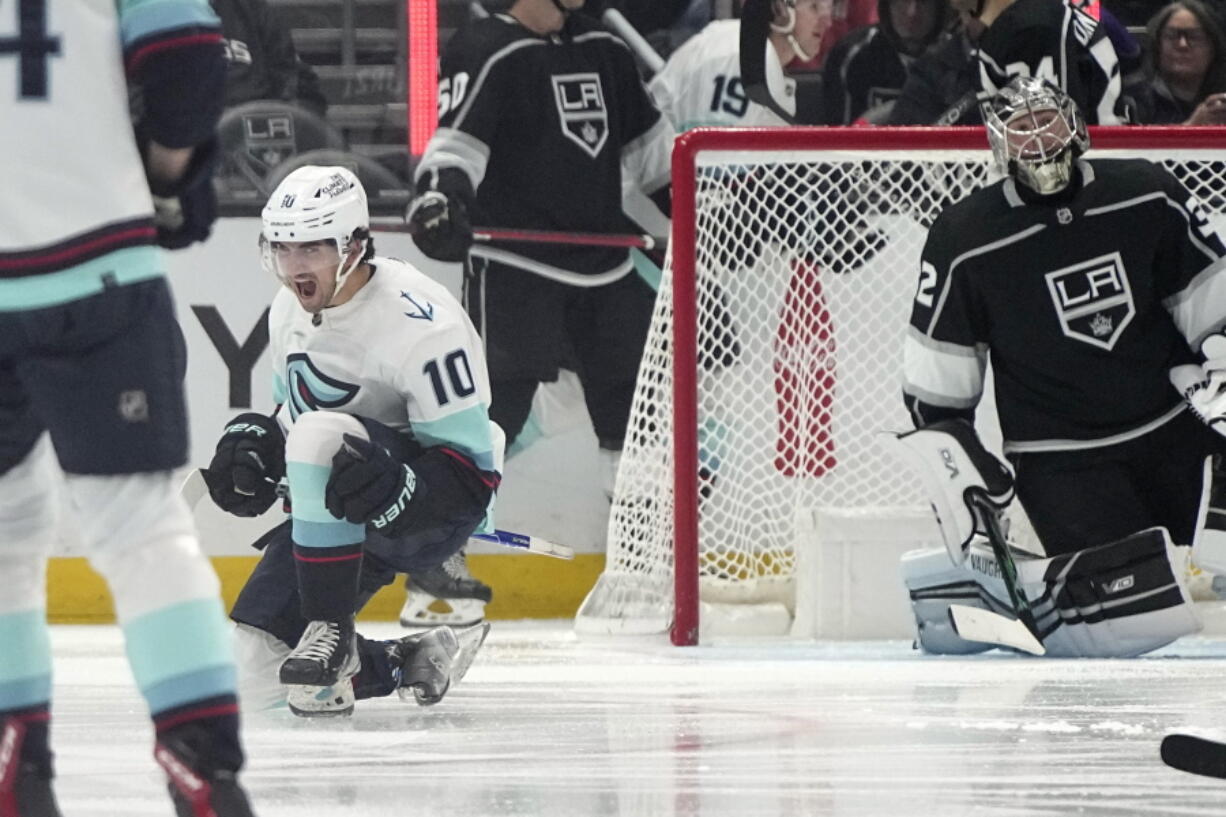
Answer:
(402, 351)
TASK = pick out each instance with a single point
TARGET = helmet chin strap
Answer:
(342, 273)
(789, 30)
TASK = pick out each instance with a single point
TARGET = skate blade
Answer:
(423, 610)
(469, 641)
(333, 701)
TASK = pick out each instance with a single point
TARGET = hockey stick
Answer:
(194, 489)
(642, 49)
(487, 234)
(1195, 755)
(756, 16)
(522, 541)
(975, 624)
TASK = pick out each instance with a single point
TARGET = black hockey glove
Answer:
(185, 211)
(438, 217)
(440, 226)
(368, 486)
(247, 465)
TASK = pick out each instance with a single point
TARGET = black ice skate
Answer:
(430, 663)
(326, 653)
(445, 595)
(197, 791)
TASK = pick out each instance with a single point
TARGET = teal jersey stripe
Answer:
(126, 266)
(466, 431)
(25, 693)
(177, 641)
(307, 483)
(332, 534)
(314, 526)
(279, 392)
(193, 686)
(144, 18)
(25, 646)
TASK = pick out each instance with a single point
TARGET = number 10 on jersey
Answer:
(459, 376)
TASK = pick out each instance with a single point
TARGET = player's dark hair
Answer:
(360, 234)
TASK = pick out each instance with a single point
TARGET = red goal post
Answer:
(775, 356)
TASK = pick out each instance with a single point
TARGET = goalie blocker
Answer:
(1119, 599)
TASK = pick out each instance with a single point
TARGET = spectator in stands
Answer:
(261, 58)
(1185, 68)
(942, 86)
(867, 68)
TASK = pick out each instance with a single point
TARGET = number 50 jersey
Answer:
(401, 351)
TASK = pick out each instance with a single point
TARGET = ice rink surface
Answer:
(549, 725)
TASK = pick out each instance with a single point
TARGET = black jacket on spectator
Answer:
(863, 71)
(941, 85)
(868, 67)
(1156, 105)
(261, 60)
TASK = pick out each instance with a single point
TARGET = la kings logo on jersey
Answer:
(581, 110)
(1093, 300)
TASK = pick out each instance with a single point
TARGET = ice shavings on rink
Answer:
(549, 725)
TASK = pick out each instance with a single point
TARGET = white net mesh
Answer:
(805, 266)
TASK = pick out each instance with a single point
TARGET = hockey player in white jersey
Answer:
(91, 378)
(701, 85)
(383, 436)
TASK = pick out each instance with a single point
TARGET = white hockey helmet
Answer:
(1036, 133)
(317, 203)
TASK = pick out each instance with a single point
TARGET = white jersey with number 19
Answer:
(701, 85)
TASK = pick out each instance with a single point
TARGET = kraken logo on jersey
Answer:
(312, 390)
(1093, 300)
(581, 110)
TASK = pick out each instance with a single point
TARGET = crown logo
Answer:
(1100, 325)
(590, 134)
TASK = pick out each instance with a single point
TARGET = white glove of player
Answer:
(1204, 387)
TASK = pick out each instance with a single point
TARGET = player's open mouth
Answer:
(306, 288)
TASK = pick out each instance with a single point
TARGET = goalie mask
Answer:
(1036, 133)
(315, 204)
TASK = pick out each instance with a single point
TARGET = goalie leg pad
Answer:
(952, 463)
(1209, 539)
(1121, 599)
(1116, 600)
(934, 584)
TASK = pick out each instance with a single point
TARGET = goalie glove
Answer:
(247, 465)
(1203, 387)
(369, 487)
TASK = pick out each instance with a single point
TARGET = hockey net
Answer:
(774, 358)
